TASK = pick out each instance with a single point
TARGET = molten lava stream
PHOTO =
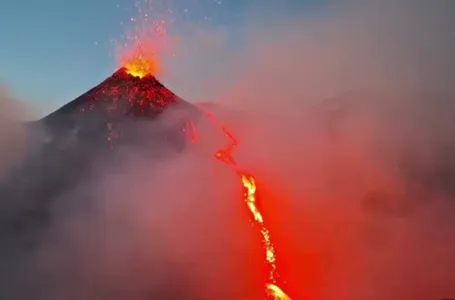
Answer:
(273, 291)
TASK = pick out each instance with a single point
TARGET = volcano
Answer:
(67, 146)
(122, 94)
(121, 99)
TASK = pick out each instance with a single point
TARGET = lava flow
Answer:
(142, 61)
(225, 154)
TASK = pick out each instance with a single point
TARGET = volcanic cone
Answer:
(124, 110)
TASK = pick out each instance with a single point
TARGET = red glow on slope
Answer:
(225, 154)
(123, 93)
(126, 96)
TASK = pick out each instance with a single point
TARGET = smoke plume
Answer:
(349, 115)
(345, 117)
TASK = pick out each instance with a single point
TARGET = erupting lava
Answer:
(273, 291)
(141, 63)
(144, 48)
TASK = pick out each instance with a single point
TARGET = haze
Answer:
(346, 120)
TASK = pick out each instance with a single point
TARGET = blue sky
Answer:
(52, 51)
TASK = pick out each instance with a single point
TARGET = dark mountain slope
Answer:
(122, 112)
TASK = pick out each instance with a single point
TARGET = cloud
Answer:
(348, 126)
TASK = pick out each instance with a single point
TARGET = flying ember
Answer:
(144, 48)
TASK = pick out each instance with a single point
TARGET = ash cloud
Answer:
(344, 117)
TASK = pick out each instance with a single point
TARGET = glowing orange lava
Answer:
(272, 290)
(141, 63)
(145, 45)
(140, 57)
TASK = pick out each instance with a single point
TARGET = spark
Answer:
(146, 43)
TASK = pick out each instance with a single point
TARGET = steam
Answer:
(13, 134)
(349, 125)
(345, 118)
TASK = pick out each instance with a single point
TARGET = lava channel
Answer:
(225, 154)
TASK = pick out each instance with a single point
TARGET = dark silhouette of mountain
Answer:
(120, 95)
(120, 99)
(122, 112)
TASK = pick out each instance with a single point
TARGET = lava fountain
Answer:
(143, 50)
